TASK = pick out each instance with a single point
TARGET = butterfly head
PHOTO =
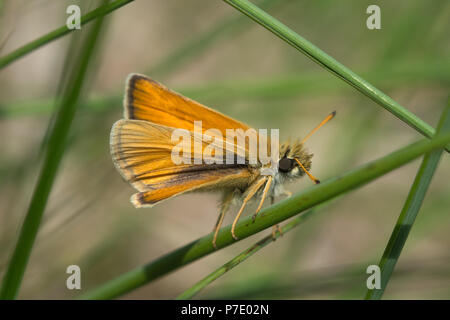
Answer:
(294, 161)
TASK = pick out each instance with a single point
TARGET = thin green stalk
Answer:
(193, 47)
(274, 88)
(330, 64)
(53, 155)
(58, 33)
(409, 212)
(196, 288)
(277, 213)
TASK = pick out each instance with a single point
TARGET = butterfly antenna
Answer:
(328, 118)
(314, 179)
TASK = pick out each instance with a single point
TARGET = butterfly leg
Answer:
(228, 197)
(250, 192)
(274, 231)
(276, 228)
(264, 195)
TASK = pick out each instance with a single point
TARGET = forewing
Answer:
(142, 152)
(149, 100)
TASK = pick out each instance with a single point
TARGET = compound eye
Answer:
(285, 164)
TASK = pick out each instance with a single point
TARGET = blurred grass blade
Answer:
(268, 217)
(280, 87)
(199, 43)
(410, 210)
(329, 63)
(57, 33)
(53, 155)
(247, 253)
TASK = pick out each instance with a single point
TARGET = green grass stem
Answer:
(409, 212)
(281, 87)
(268, 217)
(59, 32)
(53, 154)
(192, 48)
(332, 65)
(247, 253)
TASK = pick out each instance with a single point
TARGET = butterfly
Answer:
(142, 147)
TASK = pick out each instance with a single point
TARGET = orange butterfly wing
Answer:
(142, 150)
(149, 100)
(141, 144)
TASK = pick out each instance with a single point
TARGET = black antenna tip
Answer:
(316, 181)
(333, 113)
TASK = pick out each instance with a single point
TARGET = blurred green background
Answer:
(211, 53)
